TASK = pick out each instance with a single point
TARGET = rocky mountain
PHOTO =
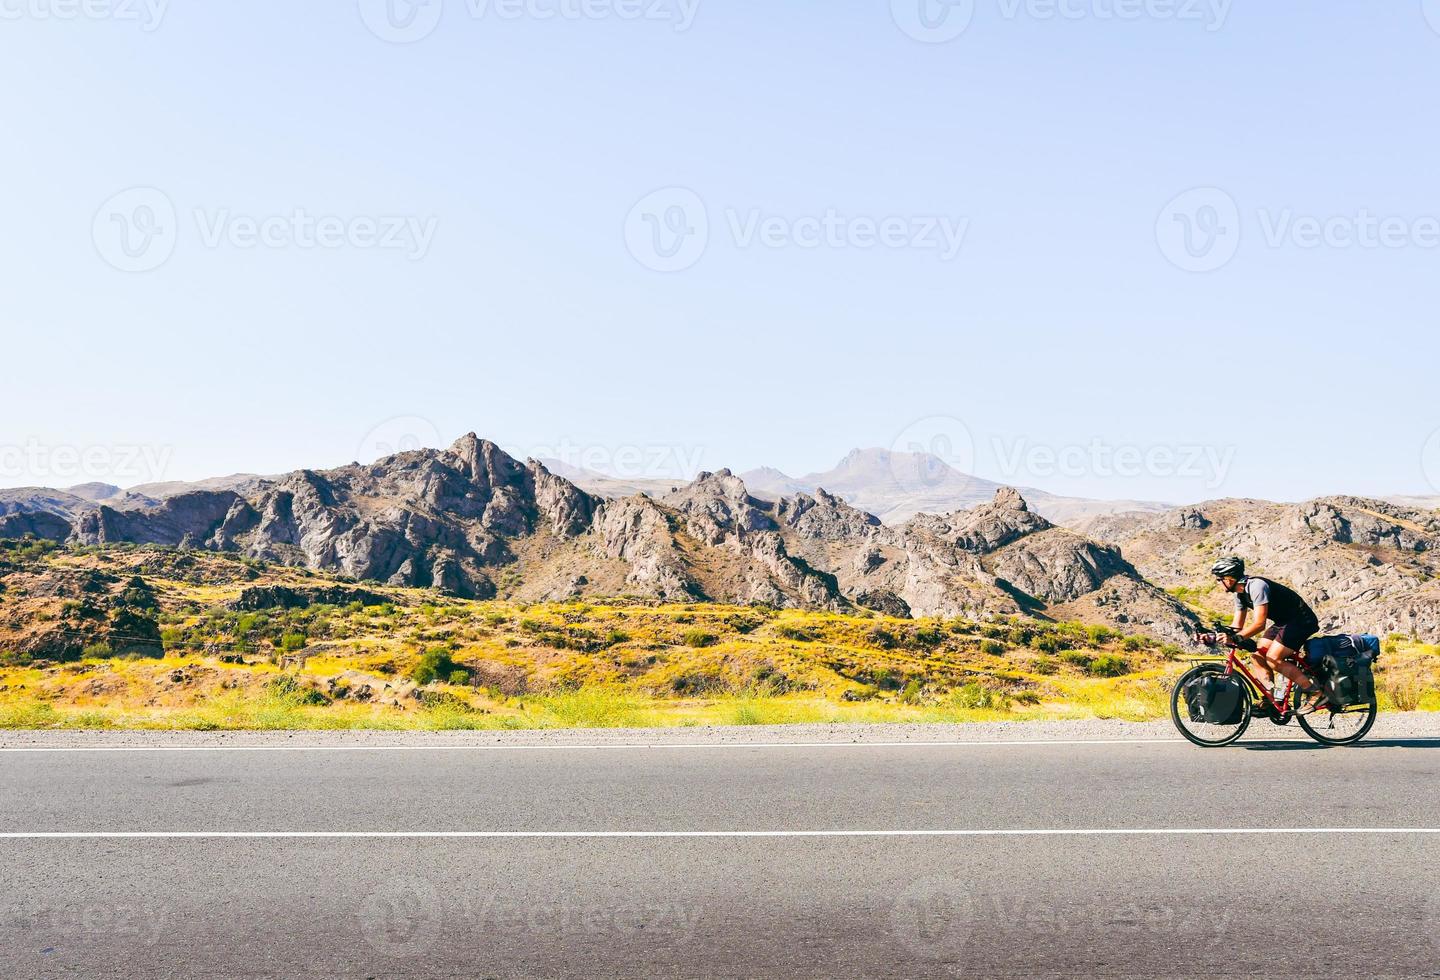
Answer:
(1365, 565)
(897, 486)
(472, 521)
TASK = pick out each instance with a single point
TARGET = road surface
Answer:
(1137, 858)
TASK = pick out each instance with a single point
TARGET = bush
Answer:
(1077, 659)
(797, 633)
(432, 665)
(742, 623)
(287, 687)
(1048, 643)
(993, 647)
(880, 638)
(1134, 644)
(976, 696)
(699, 638)
(1099, 634)
(291, 642)
(98, 651)
(460, 678)
(1109, 666)
(929, 636)
(1045, 665)
(911, 694)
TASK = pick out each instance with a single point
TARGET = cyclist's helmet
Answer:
(1228, 568)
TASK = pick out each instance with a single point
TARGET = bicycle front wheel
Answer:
(1201, 732)
(1340, 726)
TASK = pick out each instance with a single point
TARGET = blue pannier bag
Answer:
(1345, 665)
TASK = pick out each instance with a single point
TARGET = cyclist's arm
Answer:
(1239, 621)
(1257, 625)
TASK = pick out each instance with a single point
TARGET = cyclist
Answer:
(1258, 600)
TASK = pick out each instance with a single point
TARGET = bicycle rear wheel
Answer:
(1200, 732)
(1340, 726)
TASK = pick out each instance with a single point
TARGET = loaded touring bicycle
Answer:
(1214, 702)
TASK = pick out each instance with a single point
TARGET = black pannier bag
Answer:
(1215, 699)
(1346, 667)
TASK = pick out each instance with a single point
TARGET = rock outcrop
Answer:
(1365, 565)
(474, 522)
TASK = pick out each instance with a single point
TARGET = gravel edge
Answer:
(1398, 725)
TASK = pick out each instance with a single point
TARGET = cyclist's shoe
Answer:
(1311, 701)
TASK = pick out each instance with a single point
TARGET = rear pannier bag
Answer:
(1345, 664)
(1215, 699)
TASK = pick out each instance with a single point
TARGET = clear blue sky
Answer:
(1068, 320)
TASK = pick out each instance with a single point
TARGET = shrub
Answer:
(880, 638)
(460, 678)
(929, 636)
(1048, 643)
(291, 642)
(1045, 665)
(797, 633)
(973, 696)
(911, 694)
(1099, 634)
(993, 647)
(1134, 643)
(1077, 659)
(98, 651)
(742, 623)
(289, 689)
(1108, 666)
(699, 638)
(432, 665)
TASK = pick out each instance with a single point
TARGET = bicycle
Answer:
(1328, 724)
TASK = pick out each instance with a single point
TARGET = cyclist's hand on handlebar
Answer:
(1208, 639)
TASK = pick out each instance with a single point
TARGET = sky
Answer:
(1145, 249)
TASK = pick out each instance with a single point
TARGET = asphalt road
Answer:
(970, 860)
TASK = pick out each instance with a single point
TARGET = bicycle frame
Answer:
(1233, 664)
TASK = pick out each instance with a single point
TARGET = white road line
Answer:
(551, 834)
(587, 748)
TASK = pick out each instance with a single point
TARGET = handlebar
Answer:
(1231, 635)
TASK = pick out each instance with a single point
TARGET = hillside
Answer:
(1365, 565)
(128, 636)
(475, 523)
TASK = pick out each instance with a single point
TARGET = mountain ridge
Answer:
(472, 521)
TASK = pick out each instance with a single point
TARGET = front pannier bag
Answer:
(1215, 699)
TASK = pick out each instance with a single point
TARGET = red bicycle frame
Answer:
(1233, 663)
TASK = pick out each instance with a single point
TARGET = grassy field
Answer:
(410, 659)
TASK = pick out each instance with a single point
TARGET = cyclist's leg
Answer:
(1283, 651)
(1262, 658)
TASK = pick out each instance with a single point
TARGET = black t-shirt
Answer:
(1286, 606)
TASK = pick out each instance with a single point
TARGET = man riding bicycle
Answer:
(1261, 600)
